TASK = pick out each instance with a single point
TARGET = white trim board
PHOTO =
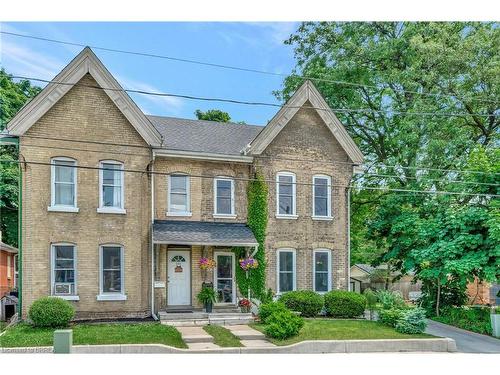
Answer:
(85, 62)
(306, 92)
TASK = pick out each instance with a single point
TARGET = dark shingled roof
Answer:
(204, 136)
(177, 232)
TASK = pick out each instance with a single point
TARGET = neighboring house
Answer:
(483, 293)
(366, 276)
(125, 244)
(8, 268)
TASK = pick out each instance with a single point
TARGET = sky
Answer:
(250, 45)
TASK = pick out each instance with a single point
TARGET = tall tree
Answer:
(13, 95)
(213, 115)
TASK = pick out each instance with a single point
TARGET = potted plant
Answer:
(495, 321)
(207, 297)
(244, 305)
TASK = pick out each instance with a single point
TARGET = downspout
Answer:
(153, 314)
(349, 239)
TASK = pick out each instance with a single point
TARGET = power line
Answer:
(231, 67)
(242, 102)
(430, 179)
(254, 179)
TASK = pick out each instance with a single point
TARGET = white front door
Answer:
(224, 278)
(179, 277)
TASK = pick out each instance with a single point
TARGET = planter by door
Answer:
(179, 278)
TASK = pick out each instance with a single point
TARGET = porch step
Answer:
(201, 318)
(246, 333)
(195, 335)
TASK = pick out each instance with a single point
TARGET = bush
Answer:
(412, 321)
(475, 319)
(343, 304)
(267, 309)
(390, 317)
(390, 300)
(283, 324)
(51, 312)
(307, 302)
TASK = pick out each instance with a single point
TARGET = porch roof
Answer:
(177, 232)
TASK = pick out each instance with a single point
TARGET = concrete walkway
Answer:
(467, 342)
(250, 337)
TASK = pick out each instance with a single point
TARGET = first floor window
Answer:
(321, 196)
(63, 269)
(178, 194)
(286, 270)
(224, 196)
(111, 181)
(285, 193)
(322, 271)
(111, 269)
(63, 182)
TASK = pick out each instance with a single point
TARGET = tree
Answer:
(213, 115)
(13, 95)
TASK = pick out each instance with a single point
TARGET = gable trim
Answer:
(85, 62)
(306, 92)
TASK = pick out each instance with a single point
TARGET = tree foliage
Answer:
(213, 115)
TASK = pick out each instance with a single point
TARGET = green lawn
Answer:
(95, 334)
(222, 336)
(330, 329)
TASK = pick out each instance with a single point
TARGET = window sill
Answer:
(111, 297)
(323, 218)
(224, 216)
(62, 209)
(111, 210)
(184, 214)
(67, 298)
(289, 217)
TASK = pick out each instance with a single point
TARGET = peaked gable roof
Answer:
(85, 62)
(306, 92)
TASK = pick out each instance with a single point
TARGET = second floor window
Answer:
(322, 197)
(111, 177)
(178, 195)
(63, 183)
(285, 194)
(224, 196)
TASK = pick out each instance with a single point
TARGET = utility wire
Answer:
(231, 67)
(254, 179)
(265, 104)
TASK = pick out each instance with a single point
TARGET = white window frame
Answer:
(111, 210)
(329, 198)
(188, 212)
(294, 196)
(231, 215)
(233, 283)
(73, 297)
(61, 207)
(111, 296)
(329, 252)
(294, 269)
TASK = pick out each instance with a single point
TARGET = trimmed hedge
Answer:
(343, 304)
(283, 324)
(307, 302)
(51, 312)
(267, 309)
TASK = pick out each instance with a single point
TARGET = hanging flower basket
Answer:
(206, 264)
(248, 263)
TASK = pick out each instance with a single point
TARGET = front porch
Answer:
(178, 248)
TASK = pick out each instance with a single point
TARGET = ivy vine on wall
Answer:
(257, 192)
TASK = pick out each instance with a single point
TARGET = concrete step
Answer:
(195, 335)
(244, 332)
(257, 343)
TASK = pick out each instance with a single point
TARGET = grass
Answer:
(2, 326)
(330, 329)
(222, 336)
(96, 334)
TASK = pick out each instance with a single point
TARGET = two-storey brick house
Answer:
(118, 207)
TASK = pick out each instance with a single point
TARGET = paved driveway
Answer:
(467, 342)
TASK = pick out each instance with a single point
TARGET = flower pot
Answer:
(208, 307)
(495, 324)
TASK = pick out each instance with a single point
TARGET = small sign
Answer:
(159, 284)
(178, 269)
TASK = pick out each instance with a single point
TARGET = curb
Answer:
(304, 347)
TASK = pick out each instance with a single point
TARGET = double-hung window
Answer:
(224, 197)
(111, 273)
(63, 185)
(178, 195)
(285, 195)
(322, 202)
(63, 266)
(322, 270)
(111, 187)
(286, 270)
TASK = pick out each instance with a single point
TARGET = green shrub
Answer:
(283, 324)
(412, 321)
(267, 297)
(343, 304)
(51, 312)
(390, 317)
(307, 302)
(475, 319)
(390, 299)
(267, 309)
